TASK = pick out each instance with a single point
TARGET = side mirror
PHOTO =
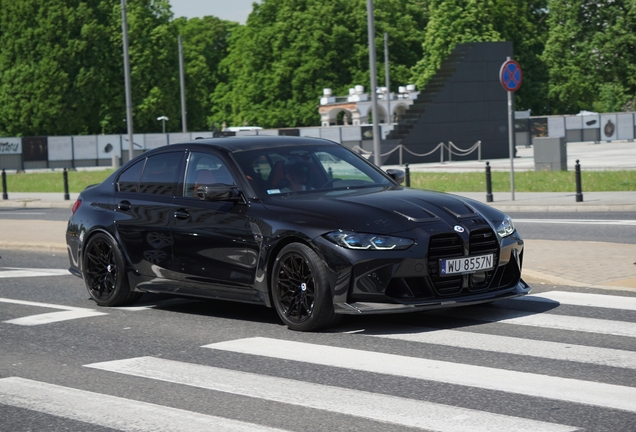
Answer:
(396, 174)
(219, 192)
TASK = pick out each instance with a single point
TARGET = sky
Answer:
(231, 10)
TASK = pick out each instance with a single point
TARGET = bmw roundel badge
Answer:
(459, 229)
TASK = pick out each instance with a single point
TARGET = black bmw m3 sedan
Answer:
(303, 225)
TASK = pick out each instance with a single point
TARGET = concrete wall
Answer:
(595, 128)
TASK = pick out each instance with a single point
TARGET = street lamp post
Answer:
(163, 120)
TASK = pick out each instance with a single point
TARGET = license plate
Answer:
(466, 264)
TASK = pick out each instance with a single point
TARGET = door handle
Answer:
(124, 205)
(181, 214)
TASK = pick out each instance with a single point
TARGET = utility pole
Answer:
(374, 85)
(184, 120)
(129, 119)
(387, 81)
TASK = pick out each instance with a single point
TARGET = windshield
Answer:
(281, 171)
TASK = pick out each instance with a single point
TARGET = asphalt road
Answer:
(533, 364)
(612, 227)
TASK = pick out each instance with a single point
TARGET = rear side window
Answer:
(160, 174)
(129, 180)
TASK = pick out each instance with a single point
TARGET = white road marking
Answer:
(134, 308)
(579, 221)
(13, 272)
(383, 408)
(563, 389)
(21, 213)
(583, 299)
(69, 313)
(121, 414)
(544, 320)
(510, 345)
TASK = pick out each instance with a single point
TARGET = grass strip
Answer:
(525, 181)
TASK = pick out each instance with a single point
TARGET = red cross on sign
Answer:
(510, 75)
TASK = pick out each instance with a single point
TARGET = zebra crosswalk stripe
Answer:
(13, 272)
(122, 414)
(69, 313)
(509, 345)
(402, 411)
(564, 389)
(584, 299)
(545, 320)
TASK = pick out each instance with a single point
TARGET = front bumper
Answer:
(408, 281)
(370, 308)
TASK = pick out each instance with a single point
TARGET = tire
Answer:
(104, 272)
(300, 292)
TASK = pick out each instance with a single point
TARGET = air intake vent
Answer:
(444, 246)
(483, 241)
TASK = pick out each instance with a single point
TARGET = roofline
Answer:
(253, 142)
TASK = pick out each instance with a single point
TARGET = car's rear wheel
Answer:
(104, 272)
(300, 292)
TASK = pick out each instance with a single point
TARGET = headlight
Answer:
(506, 227)
(352, 240)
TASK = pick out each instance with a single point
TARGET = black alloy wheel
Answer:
(299, 290)
(104, 272)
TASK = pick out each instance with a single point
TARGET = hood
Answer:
(381, 210)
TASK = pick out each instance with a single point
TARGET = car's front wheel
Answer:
(104, 272)
(300, 292)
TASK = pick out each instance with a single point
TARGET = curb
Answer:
(564, 208)
(34, 247)
(533, 277)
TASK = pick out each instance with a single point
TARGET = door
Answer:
(142, 208)
(213, 241)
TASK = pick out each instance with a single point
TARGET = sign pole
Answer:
(510, 76)
(511, 143)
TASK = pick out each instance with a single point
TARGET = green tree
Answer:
(61, 66)
(464, 21)
(451, 23)
(50, 75)
(154, 64)
(289, 50)
(205, 45)
(590, 55)
(524, 23)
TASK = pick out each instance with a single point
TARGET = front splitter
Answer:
(371, 308)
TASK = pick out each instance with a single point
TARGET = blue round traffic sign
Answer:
(510, 75)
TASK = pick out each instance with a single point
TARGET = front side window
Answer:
(342, 169)
(205, 169)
